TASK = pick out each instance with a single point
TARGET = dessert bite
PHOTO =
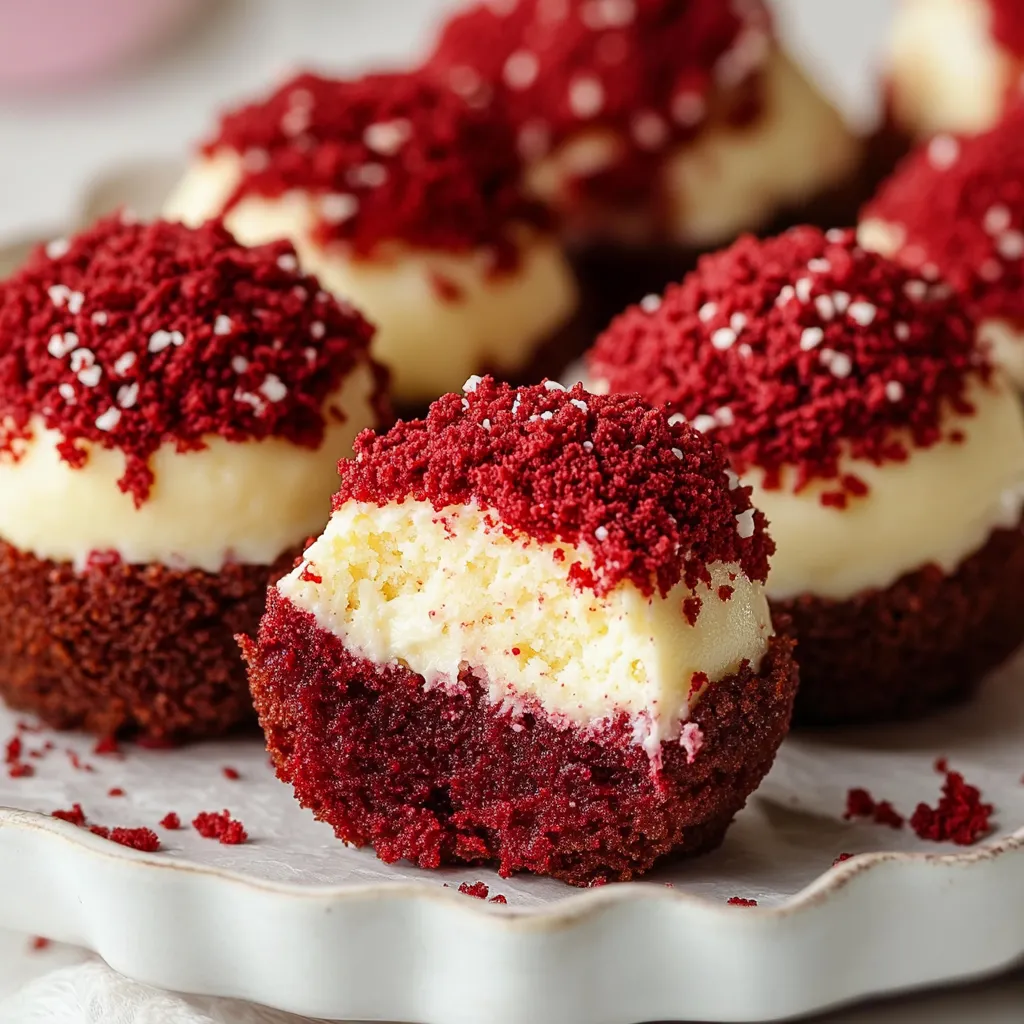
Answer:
(172, 410)
(955, 209)
(661, 126)
(406, 201)
(885, 451)
(954, 65)
(534, 632)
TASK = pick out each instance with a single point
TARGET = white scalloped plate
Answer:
(295, 920)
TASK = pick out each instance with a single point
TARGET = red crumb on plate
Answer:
(38, 943)
(476, 889)
(231, 773)
(144, 839)
(739, 901)
(960, 816)
(220, 826)
(497, 899)
(76, 815)
(861, 804)
(170, 821)
(107, 746)
(116, 791)
(842, 857)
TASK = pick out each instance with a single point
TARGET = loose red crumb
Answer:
(651, 499)
(21, 771)
(498, 899)
(155, 743)
(739, 901)
(115, 791)
(842, 857)
(38, 943)
(76, 815)
(107, 747)
(134, 335)
(309, 576)
(143, 839)
(12, 752)
(725, 592)
(960, 817)
(231, 773)
(861, 804)
(476, 889)
(220, 826)
(799, 351)
(100, 830)
(170, 821)
(390, 157)
(886, 814)
(77, 763)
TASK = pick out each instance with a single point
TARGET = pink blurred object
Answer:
(44, 43)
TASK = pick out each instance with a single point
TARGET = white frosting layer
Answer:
(946, 72)
(938, 507)
(728, 179)
(1003, 340)
(437, 591)
(242, 502)
(431, 344)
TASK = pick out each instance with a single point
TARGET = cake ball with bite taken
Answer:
(955, 209)
(533, 633)
(656, 128)
(172, 410)
(885, 451)
(407, 201)
(954, 65)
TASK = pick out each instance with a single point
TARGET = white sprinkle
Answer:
(586, 96)
(75, 300)
(990, 270)
(272, 389)
(387, 137)
(368, 175)
(724, 416)
(128, 395)
(471, 384)
(916, 290)
(677, 452)
(124, 363)
(930, 272)
(939, 292)
(841, 301)
(288, 262)
(109, 419)
(582, 406)
(708, 311)
(239, 364)
(311, 355)
(724, 338)
(894, 391)
(602, 14)
(825, 306)
(650, 130)
(745, 524)
(338, 207)
(688, 109)
(998, 219)
(1011, 245)
(67, 392)
(515, 405)
(601, 533)
(650, 303)
(99, 317)
(534, 140)
(248, 398)
(57, 248)
(819, 266)
(734, 480)
(59, 294)
(811, 338)
(943, 152)
(486, 424)
(863, 313)
(159, 340)
(675, 419)
(317, 329)
(835, 235)
(704, 423)
(745, 351)
(465, 406)
(547, 415)
(588, 446)
(803, 289)
(80, 358)
(222, 325)
(60, 345)
(521, 69)
(553, 385)
(788, 292)
(902, 331)
(737, 322)
(90, 376)
(838, 363)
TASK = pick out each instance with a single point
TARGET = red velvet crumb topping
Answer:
(220, 826)
(1008, 25)
(390, 158)
(861, 804)
(797, 350)
(477, 889)
(130, 336)
(960, 205)
(739, 901)
(143, 839)
(652, 499)
(170, 821)
(960, 816)
(651, 71)
(76, 816)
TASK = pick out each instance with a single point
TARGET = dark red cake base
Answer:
(137, 650)
(924, 642)
(439, 777)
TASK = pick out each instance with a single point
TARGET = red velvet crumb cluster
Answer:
(1008, 25)
(861, 804)
(653, 500)
(476, 889)
(739, 901)
(796, 350)
(220, 826)
(130, 336)
(961, 816)
(651, 71)
(389, 158)
(143, 839)
(959, 205)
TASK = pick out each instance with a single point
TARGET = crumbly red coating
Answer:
(392, 158)
(652, 499)
(76, 816)
(476, 889)
(740, 901)
(797, 350)
(654, 72)
(1008, 25)
(220, 826)
(960, 817)
(144, 839)
(861, 804)
(170, 821)
(960, 204)
(441, 776)
(134, 335)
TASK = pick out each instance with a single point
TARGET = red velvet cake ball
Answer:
(406, 201)
(172, 410)
(884, 450)
(534, 632)
(955, 209)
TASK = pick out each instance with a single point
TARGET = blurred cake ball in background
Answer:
(954, 65)
(886, 453)
(173, 407)
(406, 200)
(658, 126)
(955, 209)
